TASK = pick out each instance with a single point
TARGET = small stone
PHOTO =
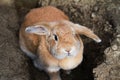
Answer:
(114, 47)
(118, 35)
(107, 51)
(118, 40)
(93, 15)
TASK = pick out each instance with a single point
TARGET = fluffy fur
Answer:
(52, 41)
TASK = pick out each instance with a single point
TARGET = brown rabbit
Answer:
(52, 41)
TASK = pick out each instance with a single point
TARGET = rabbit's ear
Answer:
(79, 29)
(38, 29)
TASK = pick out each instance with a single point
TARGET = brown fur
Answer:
(45, 14)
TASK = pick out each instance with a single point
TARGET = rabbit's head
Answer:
(62, 37)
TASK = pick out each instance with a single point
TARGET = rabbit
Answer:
(52, 41)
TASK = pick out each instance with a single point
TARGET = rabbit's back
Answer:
(45, 14)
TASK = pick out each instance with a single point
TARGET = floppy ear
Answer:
(37, 29)
(79, 29)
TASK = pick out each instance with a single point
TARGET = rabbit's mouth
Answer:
(65, 54)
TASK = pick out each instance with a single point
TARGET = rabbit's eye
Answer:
(55, 37)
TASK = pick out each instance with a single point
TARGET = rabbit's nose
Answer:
(68, 51)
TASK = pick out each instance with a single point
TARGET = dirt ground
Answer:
(101, 61)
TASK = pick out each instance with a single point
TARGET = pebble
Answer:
(114, 47)
(93, 15)
(118, 40)
(118, 35)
